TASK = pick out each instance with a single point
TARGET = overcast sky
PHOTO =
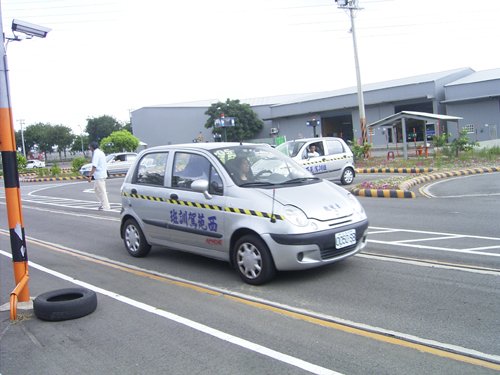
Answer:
(113, 56)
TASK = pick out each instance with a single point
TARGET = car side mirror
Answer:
(201, 186)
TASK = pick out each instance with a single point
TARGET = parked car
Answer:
(246, 204)
(332, 155)
(117, 163)
(30, 164)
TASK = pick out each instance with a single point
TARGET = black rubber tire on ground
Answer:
(65, 304)
(347, 176)
(134, 239)
(252, 260)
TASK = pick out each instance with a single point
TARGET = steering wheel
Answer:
(264, 172)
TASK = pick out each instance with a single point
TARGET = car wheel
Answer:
(134, 239)
(65, 304)
(347, 176)
(253, 261)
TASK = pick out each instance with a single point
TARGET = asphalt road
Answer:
(424, 296)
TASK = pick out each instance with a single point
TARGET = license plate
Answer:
(346, 238)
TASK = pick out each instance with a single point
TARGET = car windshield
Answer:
(290, 148)
(261, 166)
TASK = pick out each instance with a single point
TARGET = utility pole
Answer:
(21, 122)
(352, 7)
(12, 188)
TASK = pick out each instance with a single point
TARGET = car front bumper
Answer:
(309, 250)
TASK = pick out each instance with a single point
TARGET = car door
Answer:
(146, 195)
(196, 223)
(336, 158)
(315, 163)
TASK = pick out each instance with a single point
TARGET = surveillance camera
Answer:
(30, 28)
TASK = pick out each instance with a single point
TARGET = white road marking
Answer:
(307, 366)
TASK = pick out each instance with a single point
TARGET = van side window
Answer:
(151, 169)
(190, 167)
(334, 147)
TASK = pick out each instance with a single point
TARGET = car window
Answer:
(313, 149)
(291, 148)
(190, 167)
(151, 169)
(334, 147)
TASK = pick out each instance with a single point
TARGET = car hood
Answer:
(321, 201)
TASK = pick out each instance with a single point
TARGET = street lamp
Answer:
(81, 137)
(21, 122)
(351, 6)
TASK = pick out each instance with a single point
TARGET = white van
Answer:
(322, 155)
(246, 204)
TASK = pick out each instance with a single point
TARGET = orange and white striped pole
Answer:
(11, 178)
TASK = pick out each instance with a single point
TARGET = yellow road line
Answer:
(296, 315)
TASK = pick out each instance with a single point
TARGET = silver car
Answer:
(117, 163)
(246, 204)
(322, 155)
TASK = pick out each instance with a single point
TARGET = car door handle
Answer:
(174, 196)
(133, 191)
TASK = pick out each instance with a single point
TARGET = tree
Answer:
(248, 123)
(39, 136)
(462, 143)
(62, 137)
(99, 128)
(119, 141)
(80, 143)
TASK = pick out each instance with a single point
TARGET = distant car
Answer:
(30, 164)
(246, 204)
(332, 155)
(117, 163)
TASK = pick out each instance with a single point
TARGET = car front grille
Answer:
(332, 252)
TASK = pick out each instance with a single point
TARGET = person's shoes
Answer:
(100, 208)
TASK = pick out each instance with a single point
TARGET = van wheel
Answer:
(347, 176)
(134, 239)
(253, 261)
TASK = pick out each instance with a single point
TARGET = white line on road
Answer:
(285, 358)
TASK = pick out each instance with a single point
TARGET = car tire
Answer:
(253, 261)
(347, 176)
(65, 304)
(134, 239)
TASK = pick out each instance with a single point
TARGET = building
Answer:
(473, 96)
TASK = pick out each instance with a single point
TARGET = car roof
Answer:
(314, 139)
(202, 146)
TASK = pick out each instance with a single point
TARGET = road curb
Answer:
(436, 176)
(394, 170)
(404, 192)
(384, 193)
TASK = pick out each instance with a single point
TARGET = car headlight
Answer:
(296, 216)
(355, 204)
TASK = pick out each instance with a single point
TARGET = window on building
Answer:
(469, 128)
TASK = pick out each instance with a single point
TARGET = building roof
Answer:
(484, 75)
(278, 100)
(430, 77)
(253, 102)
(390, 120)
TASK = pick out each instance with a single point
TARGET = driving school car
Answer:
(332, 155)
(190, 198)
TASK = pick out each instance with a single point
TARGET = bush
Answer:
(360, 151)
(21, 161)
(55, 170)
(77, 163)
